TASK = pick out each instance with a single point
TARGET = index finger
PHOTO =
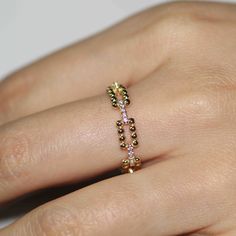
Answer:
(84, 69)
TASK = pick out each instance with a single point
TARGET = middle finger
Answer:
(80, 137)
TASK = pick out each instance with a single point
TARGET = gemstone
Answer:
(122, 145)
(125, 119)
(121, 104)
(130, 151)
(124, 92)
(123, 112)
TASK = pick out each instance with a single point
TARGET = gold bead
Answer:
(122, 137)
(114, 104)
(134, 135)
(137, 162)
(125, 97)
(122, 86)
(135, 142)
(119, 123)
(131, 120)
(125, 164)
(124, 92)
(127, 101)
(123, 145)
(120, 130)
(132, 128)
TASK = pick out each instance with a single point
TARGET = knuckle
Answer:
(176, 24)
(208, 104)
(58, 221)
(178, 30)
(14, 155)
(180, 24)
(209, 101)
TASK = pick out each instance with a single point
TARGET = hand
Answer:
(179, 62)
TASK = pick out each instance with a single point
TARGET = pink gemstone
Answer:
(130, 151)
(125, 119)
(123, 111)
(121, 104)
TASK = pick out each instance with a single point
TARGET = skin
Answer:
(178, 61)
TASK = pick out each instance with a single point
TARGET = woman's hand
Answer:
(179, 62)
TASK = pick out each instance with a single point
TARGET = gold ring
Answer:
(119, 100)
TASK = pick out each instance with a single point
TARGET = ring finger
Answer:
(40, 149)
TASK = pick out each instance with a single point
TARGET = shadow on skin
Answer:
(28, 202)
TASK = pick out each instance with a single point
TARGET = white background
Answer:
(30, 29)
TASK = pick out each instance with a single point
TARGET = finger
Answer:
(82, 70)
(169, 198)
(80, 137)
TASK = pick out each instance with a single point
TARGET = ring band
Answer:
(120, 99)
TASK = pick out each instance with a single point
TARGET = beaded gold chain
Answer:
(120, 99)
